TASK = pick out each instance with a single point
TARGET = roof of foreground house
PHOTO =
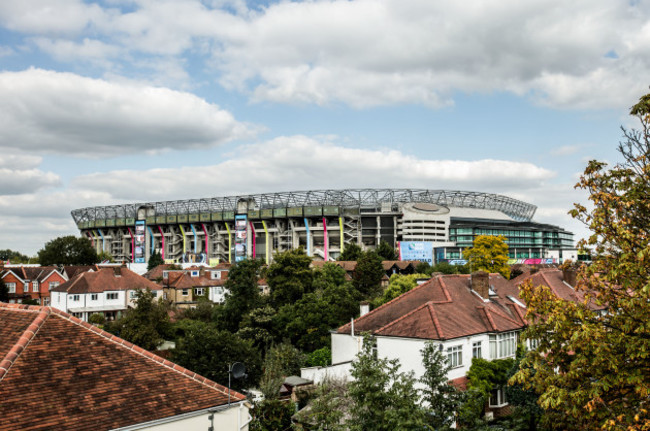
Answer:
(106, 279)
(443, 308)
(57, 372)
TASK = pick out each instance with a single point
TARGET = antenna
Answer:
(238, 371)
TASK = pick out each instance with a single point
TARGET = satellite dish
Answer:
(238, 370)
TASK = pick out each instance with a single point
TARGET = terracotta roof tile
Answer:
(106, 279)
(60, 374)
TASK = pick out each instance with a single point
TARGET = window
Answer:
(46, 301)
(498, 397)
(195, 273)
(93, 297)
(476, 350)
(185, 292)
(503, 345)
(34, 286)
(53, 284)
(199, 291)
(165, 275)
(112, 295)
(11, 287)
(132, 294)
(455, 356)
(216, 275)
(75, 298)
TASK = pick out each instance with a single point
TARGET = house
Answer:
(59, 372)
(467, 316)
(184, 287)
(31, 282)
(107, 291)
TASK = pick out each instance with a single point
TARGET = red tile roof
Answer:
(106, 279)
(443, 308)
(57, 372)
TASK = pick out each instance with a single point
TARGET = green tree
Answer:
(146, 325)
(271, 415)
(209, 352)
(13, 256)
(258, 326)
(105, 256)
(97, 319)
(243, 294)
(386, 252)
(4, 292)
(282, 360)
(351, 252)
(326, 410)
(68, 250)
(320, 357)
(398, 285)
(489, 253)
(368, 275)
(383, 398)
(591, 369)
(442, 398)
(527, 414)
(155, 260)
(289, 276)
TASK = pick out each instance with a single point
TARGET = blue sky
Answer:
(147, 100)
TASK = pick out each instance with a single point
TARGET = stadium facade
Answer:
(323, 222)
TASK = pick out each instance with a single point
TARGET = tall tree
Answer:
(147, 324)
(442, 398)
(398, 285)
(209, 352)
(489, 253)
(68, 250)
(155, 260)
(13, 256)
(351, 252)
(592, 369)
(368, 275)
(383, 398)
(289, 277)
(243, 293)
(386, 252)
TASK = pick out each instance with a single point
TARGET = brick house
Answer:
(31, 282)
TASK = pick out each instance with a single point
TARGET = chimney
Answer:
(364, 308)
(481, 283)
(534, 269)
(570, 276)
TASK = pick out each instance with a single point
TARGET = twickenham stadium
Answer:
(425, 224)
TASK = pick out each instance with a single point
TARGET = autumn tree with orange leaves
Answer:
(592, 370)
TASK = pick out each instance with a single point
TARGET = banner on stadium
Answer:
(416, 250)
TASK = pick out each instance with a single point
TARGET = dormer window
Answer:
(165, 275)
(195, 273)
(216, 275)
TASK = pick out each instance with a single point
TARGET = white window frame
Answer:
(11, 287)
(498, 397)
(477, 349)
(75, 298)
(94, 297)
(185, 292)
(112, 296)
(54, 284)
(455, 356)
(34, 286)
(503, 345)
(194, 274)
(199, 291)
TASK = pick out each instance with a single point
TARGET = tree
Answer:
(209, 352)
(592, 369)
(398, 285)
(271, 415)
(442, 398)
(489, 253)
(386, 252)
(351, 252)
(368, 274)
(383, 398)
(105, 256)
(4, 292)
(258, 327)
(289, 276)
(326, 410)
(243, 293)
(320, 358)
(68, 250)
(13, 256)
(281, 361)
(147, 324)
(155, 260)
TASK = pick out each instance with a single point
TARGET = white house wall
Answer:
(345, 347)
(235, 418)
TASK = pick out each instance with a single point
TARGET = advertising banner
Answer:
(545, 261)
(139, 241)
(416, 250)
(241, 234)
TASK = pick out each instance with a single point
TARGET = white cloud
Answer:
(581, 54)
(298, 162)
(566, 150)
(45, 111)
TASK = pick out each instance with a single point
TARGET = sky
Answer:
(146, 100)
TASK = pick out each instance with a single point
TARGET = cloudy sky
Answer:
(143, 100)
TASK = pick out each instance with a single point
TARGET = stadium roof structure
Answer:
(349, 198)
